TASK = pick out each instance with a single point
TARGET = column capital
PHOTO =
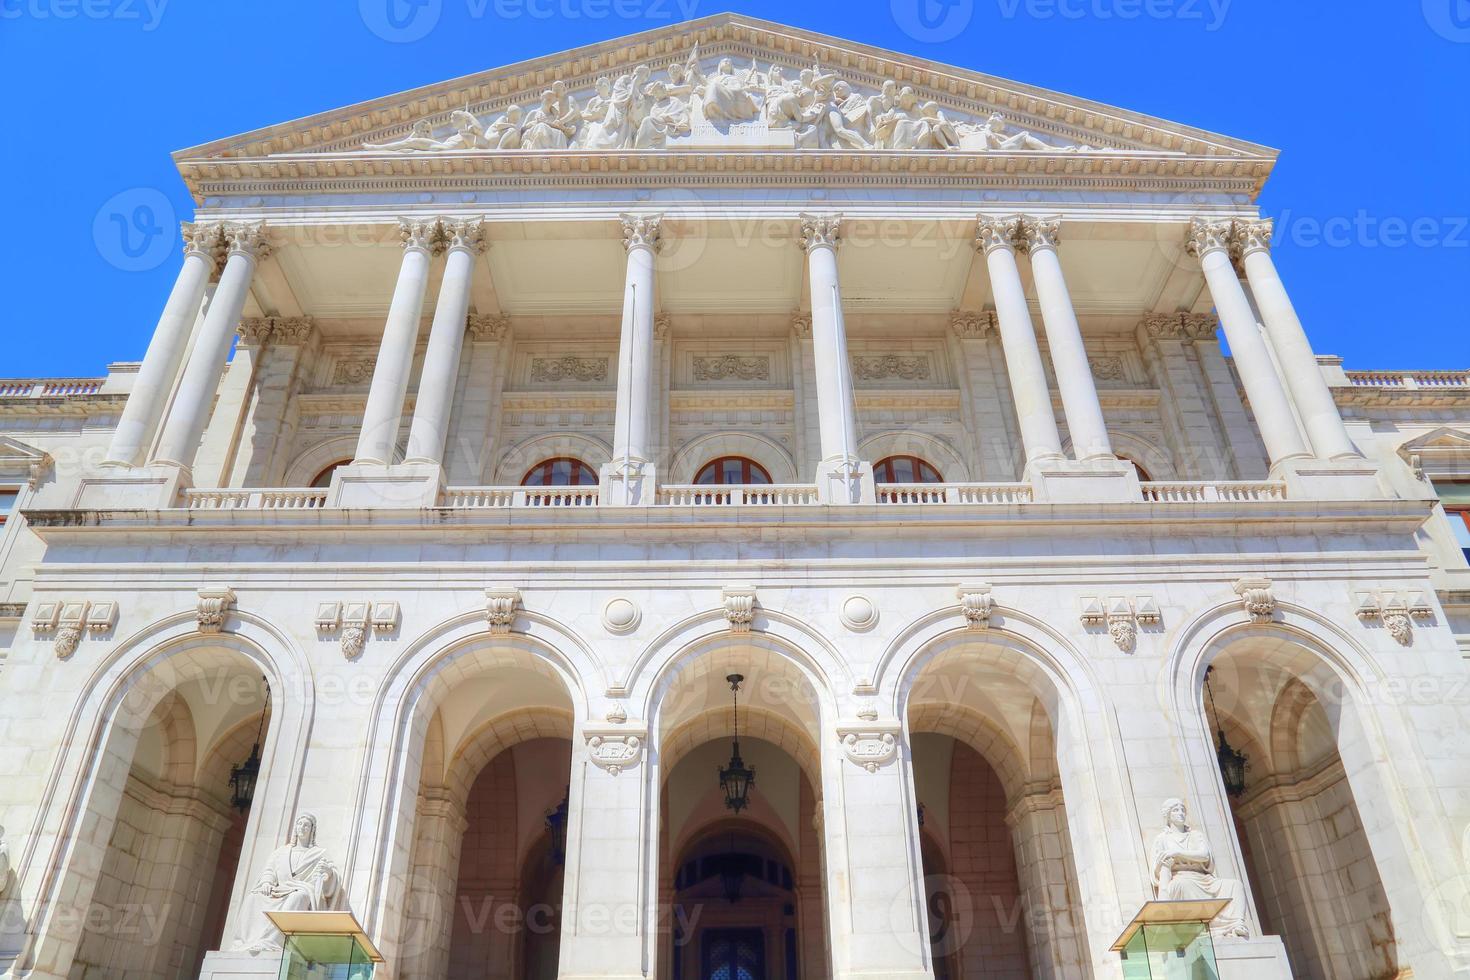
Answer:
(1252, 236)
(972, 325)
(247, 238)
(203, 240)
(663, 325)
(642, 231)
(255, 330)
(292, 330)
(1163, 326)
(420, 234)
(821, 231)
(994, 233)
(801, 326)
(1207, 235)
(467, 234)
(1200, 326)
(484, 328)
(1040, 233)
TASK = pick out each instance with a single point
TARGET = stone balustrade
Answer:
(1228, 492)
(1409, 380)
(49, 387)
(954, 493)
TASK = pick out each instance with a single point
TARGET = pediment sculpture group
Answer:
(637, 111)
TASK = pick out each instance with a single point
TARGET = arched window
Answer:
(732, 470)
(905, 469)
(564, 471)
(324, 478)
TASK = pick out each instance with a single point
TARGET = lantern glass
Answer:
(1233, 764)
(243, 778)
(736, 781)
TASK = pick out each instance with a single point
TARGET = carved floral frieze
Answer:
(561, 370)
(732, 367)
(889, 367)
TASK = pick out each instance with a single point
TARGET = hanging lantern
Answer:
(244, 776)
(732, 874)
(1233, 763)
(736, 779)
(556, 829)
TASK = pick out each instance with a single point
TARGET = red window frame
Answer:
(884, 472)
(324, 478)
(713, 473)
(543, 473)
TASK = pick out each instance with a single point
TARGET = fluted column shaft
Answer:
(1314, 401)
(190, 412)
(430, 429)
(1210, 241)
(641, 237)
(384, 411)
(836, 406)
(1084, 414)
(146, 402)
(1034, 414)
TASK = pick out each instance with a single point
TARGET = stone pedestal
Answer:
(1263, 958)
(1062, 481)
(405, 485)
(154, 487)
(628, 485)
(1315, 479)
(241, 966)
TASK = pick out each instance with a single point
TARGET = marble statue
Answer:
(1183, 869)
(298, 877)
(814, 108)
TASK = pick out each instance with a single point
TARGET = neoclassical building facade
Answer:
(490, 429)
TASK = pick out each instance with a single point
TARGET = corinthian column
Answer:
(1304, 379)
(1038, 423)
(166, 350)
(630, 474)
(839, 473)
(384, 412)
(1210, 241)
(1064, 337)
(430, 427)
(185, 424)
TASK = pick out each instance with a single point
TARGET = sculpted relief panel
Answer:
(698, 104)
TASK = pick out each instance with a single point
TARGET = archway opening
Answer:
(161, 893)
(1306, 852)
(1000, 881)
(486, 866)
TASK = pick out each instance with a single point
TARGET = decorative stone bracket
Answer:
(214, 603)
(1122, 616)
(977, 604)
(615, 749)
(739, 603)
(1257, 598)
(870, 745)
(1396, 610)
(353, 619)
(69, 619)
(501, 604)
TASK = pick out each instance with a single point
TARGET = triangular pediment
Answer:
(726, 83)
(20, 463)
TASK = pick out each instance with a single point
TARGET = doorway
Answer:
(733, 954)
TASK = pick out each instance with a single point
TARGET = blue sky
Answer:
(1365, 99)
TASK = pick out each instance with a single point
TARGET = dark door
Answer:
(734, 954)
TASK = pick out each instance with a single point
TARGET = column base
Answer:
(629, 484)
(240, 966)
(1094, 481)
(1262, 958)
(152, 487)
(402, 485)
(845, 480)
(1317, 479)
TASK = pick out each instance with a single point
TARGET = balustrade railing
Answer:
(289, 499)
(49, 388)
(480, 498)
(1409, 380)
(771, 494)
(954, 493)
(1229, 492)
